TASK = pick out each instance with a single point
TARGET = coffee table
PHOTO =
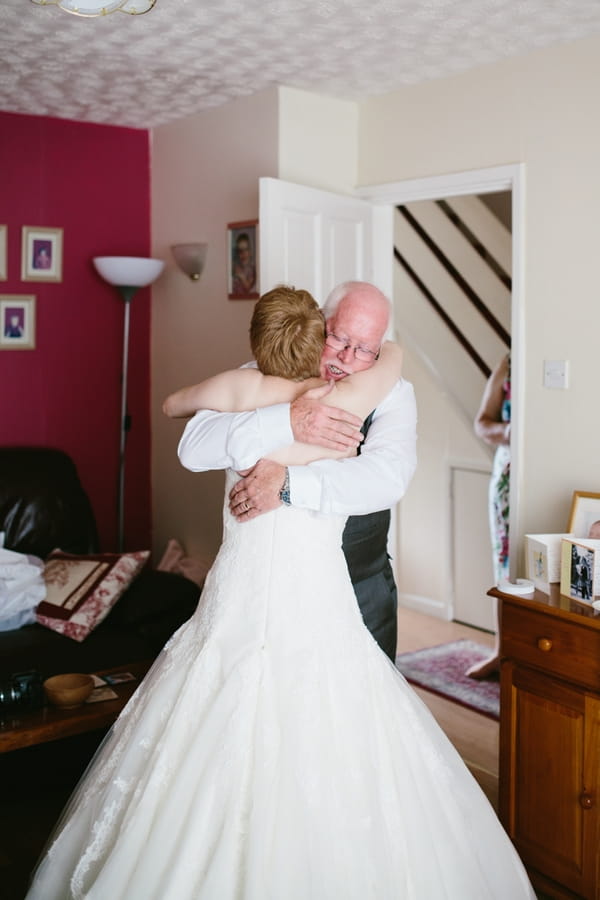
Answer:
(24, 728)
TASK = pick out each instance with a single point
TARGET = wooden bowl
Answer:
(68, 691)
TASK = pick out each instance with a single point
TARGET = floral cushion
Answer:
(82, 589)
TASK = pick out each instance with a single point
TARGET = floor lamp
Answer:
(127, 274)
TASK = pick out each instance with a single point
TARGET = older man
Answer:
(362, 487)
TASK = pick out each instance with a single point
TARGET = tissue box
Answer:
(580, 568)
(543, 559)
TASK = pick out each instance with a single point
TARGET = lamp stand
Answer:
(126, 293)
(127, 274)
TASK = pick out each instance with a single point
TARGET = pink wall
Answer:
(93, 181)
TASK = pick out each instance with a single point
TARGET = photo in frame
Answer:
(580, 569)
(242, 260)
(41, 254)
(17, 319)
(3, 265)
(584, 518)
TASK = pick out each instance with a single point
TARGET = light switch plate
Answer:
(556, 374)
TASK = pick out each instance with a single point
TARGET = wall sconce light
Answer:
(127, 274)
(190, 258)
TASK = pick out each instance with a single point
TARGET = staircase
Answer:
(453, 292)
(452, 312)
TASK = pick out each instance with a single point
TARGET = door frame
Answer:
(484, 181)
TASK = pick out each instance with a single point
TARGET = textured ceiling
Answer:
(187, 55)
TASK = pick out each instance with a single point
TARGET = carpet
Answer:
(441, 670)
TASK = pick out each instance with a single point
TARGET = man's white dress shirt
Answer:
(374, 480)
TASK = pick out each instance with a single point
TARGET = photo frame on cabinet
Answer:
(17, 320)
(3, 266)
(580, 569)
(584, 518)
(41, 254)
(543, 559)
(242, 260)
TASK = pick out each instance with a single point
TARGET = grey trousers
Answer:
(364, 544)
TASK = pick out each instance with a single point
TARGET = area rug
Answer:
(441, 670)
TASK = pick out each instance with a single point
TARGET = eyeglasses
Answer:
(339, 344)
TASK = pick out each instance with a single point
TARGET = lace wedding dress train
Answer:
(273, 751)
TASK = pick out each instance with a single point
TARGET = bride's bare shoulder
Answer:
(264, 390)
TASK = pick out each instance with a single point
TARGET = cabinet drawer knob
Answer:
(544, 644)
(586, 801)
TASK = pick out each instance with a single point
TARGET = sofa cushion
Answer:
(82, 589)
(135, 630)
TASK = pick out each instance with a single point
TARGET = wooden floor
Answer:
(474, 736)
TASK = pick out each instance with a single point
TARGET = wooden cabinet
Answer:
(550, 740)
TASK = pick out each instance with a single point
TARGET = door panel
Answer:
(472, 549)
(315, 239)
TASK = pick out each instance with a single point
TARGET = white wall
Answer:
(318, 140)
(539, 109)
(205, 172)
(423, 554)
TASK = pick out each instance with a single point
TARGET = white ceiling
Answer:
(186, 55)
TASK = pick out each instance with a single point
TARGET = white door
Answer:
(314, 239)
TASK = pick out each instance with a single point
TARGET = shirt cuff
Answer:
(275, 421)
(305, 487)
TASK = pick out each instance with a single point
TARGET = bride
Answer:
(273, 750)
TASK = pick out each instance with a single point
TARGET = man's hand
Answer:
(257, 492)
(327, 426)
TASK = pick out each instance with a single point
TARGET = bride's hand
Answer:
(327, 426)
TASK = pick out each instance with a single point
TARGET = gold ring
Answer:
(246, 506)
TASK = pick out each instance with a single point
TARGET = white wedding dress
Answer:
(273, 752)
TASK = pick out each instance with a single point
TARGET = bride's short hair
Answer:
(287, 333)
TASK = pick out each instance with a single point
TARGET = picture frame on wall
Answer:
(242, 260)
(17, 319)
(3, 265)
(584, 518)
(41, 254)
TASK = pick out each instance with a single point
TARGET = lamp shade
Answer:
(190, 258)
(133, 271)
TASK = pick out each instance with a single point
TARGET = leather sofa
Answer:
(43, 506)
